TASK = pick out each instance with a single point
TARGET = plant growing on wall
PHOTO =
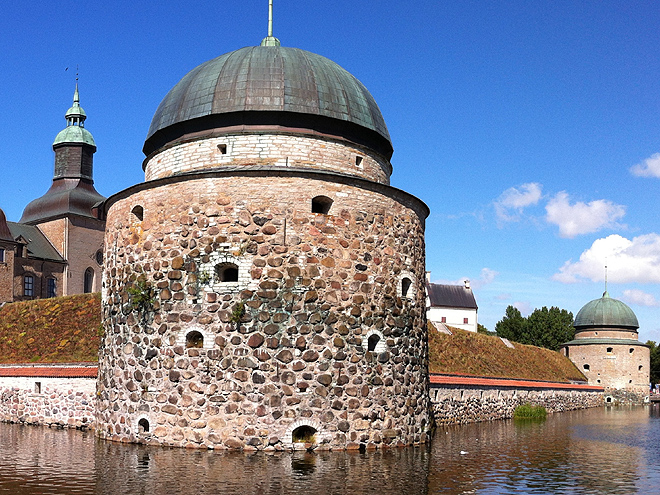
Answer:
(142, 297)
(237, 313)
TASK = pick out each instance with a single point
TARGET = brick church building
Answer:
(56, 247)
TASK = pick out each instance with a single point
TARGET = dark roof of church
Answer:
(5, 233)
(451, 296)
(38, 245)
(270, 86)
(65, 197)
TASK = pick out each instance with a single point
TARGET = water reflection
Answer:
(599, 451)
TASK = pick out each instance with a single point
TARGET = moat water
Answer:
(599, 451)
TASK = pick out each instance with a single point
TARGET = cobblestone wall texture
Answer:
(67, 402)
(286, 344)
(462, 404)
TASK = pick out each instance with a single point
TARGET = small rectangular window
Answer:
(222, 148)
(37, 387)
(28, 285)
(465, 320)
(443, 319)
(52, 288)
(2, 255)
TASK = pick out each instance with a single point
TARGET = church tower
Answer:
(65, 213)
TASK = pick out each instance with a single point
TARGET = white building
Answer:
(451, 305)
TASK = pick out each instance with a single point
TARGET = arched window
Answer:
(405, 286)
(143, 425)
(194, 340)
(321, 204)
(28, 285)
(88, 281)
(226, 272)
(303, 434)
(138, 212)
(372, 342)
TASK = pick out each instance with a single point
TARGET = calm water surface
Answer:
(601, 451)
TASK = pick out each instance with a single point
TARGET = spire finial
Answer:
(605, 294)
(270, 40)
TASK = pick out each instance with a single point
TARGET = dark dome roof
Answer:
(606, 312)
(270, 86)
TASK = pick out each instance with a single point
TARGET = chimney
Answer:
(467, 284)
(428, 277)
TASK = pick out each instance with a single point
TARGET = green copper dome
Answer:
(75, 131)
(270, 87)
(606, 312)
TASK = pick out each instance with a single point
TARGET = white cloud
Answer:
(636, 260)
(486, 276)
(582, 218)
(509, 206)
(639, 297)
(523, 306)
(503, 297)
(648, 168)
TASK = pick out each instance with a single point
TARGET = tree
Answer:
(655, 361)
(512, 326)
(548, 328)
(483, 330)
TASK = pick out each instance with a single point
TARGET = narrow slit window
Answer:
(51, 288)
(358, 161)
(321, 204)
(88, 282)
(406, 283)
(372, 342)
(37, 387)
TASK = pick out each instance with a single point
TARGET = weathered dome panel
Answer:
(310, 89)
(606, 312)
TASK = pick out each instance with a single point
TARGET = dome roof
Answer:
(74, 134)
(606, 312)
(270, 86)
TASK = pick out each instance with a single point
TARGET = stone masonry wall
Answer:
(284, 346)
(460, 404)
(269, 149)
(65, 402)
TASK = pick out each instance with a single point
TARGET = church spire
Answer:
(270, 40)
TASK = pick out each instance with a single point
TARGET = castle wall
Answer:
(471, 403)
(7, 272)
(280, 150)
(284, 345)
(49, 401)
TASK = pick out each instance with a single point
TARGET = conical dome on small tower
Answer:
(72, 191)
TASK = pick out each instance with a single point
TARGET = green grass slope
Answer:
(469, 353)
(57, 330)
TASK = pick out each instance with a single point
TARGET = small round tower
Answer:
(607, 350)
(264, 287)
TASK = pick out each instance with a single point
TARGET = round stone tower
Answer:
(264, 287)
(607, 350)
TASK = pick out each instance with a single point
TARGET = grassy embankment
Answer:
(58, 330)
(468, 353)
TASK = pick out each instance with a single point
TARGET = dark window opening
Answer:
(406, 283)
(37, 387)
(443, 319)
(609, 399)
(222, 148)
(88, 282)
(321, 204)
(143, 426)
(358, 161)
(609, 350)
(226, 272)
(465, 320)
(372, 342)
(138, 212)
(2, 255)
(631, 350)
(586, 367)
(51, 288)
(194, 340)
(304, 434)
(28, 285)
(99, 257)
(639, 368)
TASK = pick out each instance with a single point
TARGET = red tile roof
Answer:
(483, 381)
(49, 371)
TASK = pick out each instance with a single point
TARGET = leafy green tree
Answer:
(512, 326)
(545, 327)
(483, 330)
(655, 361)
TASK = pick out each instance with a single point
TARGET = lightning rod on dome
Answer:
(270, 40)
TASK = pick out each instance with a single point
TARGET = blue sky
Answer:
(531, 129)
